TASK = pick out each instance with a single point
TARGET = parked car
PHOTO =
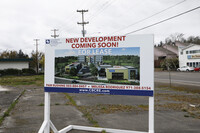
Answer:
(197, 69)
(185, 68)
(75, 81)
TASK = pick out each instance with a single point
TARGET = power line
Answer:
(71, 18)
(163, 20)
(106, 5)
(150, 16)
(70, 25)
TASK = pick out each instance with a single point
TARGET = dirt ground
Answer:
(176, 110)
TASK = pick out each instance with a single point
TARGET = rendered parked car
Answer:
(75, 81)
(197, 69)
(185, 68)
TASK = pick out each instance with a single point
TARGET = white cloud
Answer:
(21, 21)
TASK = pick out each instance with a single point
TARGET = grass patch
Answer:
(71, 100)
(193, 112)
(70, 77)
(7, 113)
(22, 80)
(84, 110)
(170, 106)
(103, 131)
(144, 107)
(194, 99)
(186, 116)
(180, 88)
(57, 103)
(88, 115)
(184, 110)
(41, 104)
(108, 108)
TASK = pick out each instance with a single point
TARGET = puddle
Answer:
(4, 89)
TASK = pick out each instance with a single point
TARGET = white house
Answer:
(14, 63)
(189, 55)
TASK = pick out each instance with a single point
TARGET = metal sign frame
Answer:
(47, 124)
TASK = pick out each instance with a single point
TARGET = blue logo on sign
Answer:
(47, 41)
(111, 71)
(189, 56)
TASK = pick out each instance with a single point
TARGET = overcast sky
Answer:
(21, 21)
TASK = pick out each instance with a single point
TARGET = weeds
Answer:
(7, 113)
(85, 112)
(41, 104)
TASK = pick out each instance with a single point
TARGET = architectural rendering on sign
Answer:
(105, 65)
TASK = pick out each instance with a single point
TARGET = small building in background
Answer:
(189, 55)
(167, 51)
(14, 64)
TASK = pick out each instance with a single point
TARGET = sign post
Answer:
(113, 65)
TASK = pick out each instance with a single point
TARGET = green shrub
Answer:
(2, 72)
(11, 71)
(27, 71)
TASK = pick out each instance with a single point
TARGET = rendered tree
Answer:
(94, 71)
(73, 71)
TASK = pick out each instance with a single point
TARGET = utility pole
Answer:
(168, 67)
(83, 22)
(54, 35)
(37, 62)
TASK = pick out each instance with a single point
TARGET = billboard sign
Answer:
(115, 65)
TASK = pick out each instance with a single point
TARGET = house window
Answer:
(187, 63)
(197, 64)
(190, 64)
(186, 52)
(193, 64)
(132, 74)
(119, 76)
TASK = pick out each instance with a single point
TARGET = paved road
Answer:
(184, 78)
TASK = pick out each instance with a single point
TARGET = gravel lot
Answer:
(174, 110)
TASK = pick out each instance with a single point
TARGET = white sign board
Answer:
(116, 65)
